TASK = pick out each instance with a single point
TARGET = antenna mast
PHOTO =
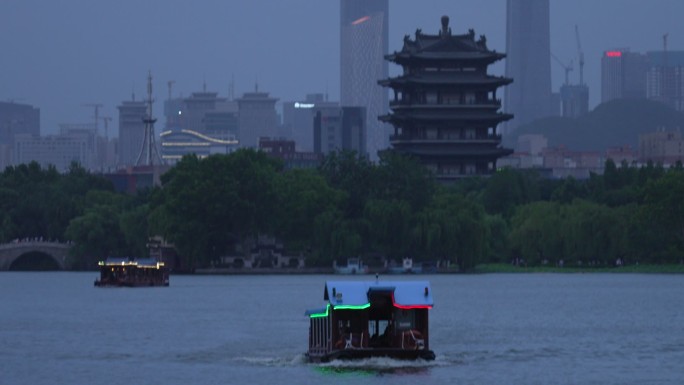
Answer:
(581, 56)
(148, 152)
(664, 89)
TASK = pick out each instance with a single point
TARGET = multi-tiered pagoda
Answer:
(445, 109)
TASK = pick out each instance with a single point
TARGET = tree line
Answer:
(213, 206)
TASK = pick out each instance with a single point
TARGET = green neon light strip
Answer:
(340, 307)
(317, 315)
(352, 307)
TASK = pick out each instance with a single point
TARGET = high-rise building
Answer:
(131, 130)
(574, 100)
(528, 62)
(340, 129)
(665, 78)
(298, 119)
(257, 118)
(623, 75)
(364, 34)
(16, 119)
(74, 143)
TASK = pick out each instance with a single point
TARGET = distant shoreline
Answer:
(299, 271)
(642, 269)
(480, 269)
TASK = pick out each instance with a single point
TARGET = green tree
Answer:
(302, 195)
(207, 206)
(507, 189)
(390, 224)
(452, 228)
(536, 233)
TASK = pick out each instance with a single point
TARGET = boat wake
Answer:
(297, 360)
(381, 365)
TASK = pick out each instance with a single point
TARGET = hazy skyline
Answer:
(58, 56)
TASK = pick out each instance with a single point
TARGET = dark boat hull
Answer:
(357, 354)
(99, 283)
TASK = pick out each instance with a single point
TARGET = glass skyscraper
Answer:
(364, 35)
(528, 47)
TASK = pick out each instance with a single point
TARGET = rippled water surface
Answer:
(56, 328)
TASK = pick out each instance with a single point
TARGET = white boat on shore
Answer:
(407, 267)
(353, 266)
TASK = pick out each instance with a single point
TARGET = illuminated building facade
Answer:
(445, 109)
(623, 75)
(364, 34)
(528, 46)
(202, 124)
(177, 142)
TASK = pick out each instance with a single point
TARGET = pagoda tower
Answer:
(445, 109)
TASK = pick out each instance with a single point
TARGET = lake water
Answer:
(56, 328)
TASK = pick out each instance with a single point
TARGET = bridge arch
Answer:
(35, 261)
(22, 255)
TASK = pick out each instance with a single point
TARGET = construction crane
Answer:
(568, 68)
(580, 53)
(96, 106)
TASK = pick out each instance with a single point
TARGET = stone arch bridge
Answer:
(10, 252)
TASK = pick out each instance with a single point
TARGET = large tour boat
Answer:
(371, 319)
(132, 273)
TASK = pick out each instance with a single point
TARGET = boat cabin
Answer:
(132, 273)
(371, 319)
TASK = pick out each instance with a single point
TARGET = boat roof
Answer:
(142, 262)
(356, 293)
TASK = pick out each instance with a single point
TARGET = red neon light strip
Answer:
(613, 53)
(409, 307)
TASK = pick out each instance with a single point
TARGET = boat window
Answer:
(377, 327)
(404, 319)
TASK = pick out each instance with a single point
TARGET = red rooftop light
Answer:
(614, 54)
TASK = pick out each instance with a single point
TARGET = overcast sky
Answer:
(59, 55)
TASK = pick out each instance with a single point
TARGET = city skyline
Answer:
(55, 66)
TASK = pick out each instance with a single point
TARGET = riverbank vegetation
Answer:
(214, 206)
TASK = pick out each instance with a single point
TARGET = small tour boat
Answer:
(132, 273)
(371, 319)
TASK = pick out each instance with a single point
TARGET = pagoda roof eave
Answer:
(488, 153)
(468, 56)
(396, 118)
(449, 80)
